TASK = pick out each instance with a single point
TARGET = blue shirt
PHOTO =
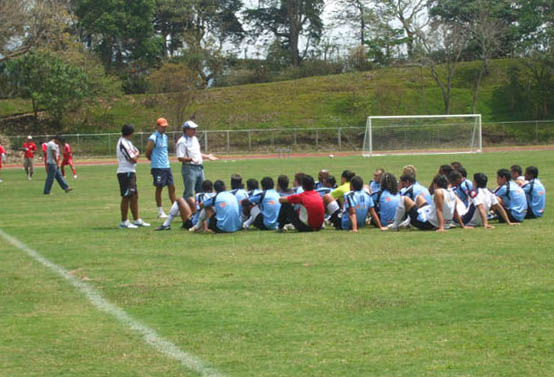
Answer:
(226, 209)
(463, 191)
(416, 190)
(374, 186)
(387, 206)
(362, 202)
(514, 199)
(323, 190)
(536, 196)
(200, 198)
(160, 157)
(269, 205)
(240, 194)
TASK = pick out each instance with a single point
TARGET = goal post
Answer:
(422, 134)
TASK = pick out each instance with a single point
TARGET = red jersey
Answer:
(2, 150)
(29, 148)
(313, 203)
(44, 148)
(67, 153)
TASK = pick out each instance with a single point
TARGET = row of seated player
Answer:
(452, 200)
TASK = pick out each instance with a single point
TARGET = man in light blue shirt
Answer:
(535, 193)
(158, 154)
(510, 196)
(222, 210)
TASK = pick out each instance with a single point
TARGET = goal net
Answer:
(422, 134)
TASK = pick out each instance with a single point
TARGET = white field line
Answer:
(149, 335)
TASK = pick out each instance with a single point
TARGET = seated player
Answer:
(357, 205)
(329, 184)
(535, 193)
(297, 183)
(237, 189)
(510, 196)
(333, 201)
(182, 208)
(252, 188)
(323, 173)
(309, 216)
(460, 186)
(222, 210)
(411, 188)
(387, 200)
(199, 216)
(375, 183)
(517, 175)
(430, 217)
(481, 201)
(283, 186)
(266, 206)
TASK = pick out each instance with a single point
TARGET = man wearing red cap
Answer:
(157, 153)
(29, 149)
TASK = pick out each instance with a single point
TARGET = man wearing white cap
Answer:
(188, 152)
(29, 149)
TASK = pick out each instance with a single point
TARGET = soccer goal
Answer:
(422, 134)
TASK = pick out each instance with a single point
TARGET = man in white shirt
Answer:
(188, 152)
(53, 166)
(127, 157)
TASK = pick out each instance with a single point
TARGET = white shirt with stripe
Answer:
(126, 151)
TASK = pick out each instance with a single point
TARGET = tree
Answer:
(289, 21)
(354, 12)
(49, 83)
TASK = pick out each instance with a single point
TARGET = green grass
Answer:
(464, 303)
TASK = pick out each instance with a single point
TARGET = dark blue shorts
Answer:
(162, 177)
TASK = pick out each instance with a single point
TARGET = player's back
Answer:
(227, 212)
(387, 206)
(536, 196)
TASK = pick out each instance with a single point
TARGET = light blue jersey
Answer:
(322, 191)
(536, 197)
(269, 205)
(200, 198)
(416, 190)
(160, 157)
(387, 206)
(514, 199)
(374, 187)
(240, 194)
(362, 202)
(226, 209)
(463, 191)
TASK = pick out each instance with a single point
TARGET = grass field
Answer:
(464, 303)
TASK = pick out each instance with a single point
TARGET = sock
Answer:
(173, 212)
(332, 207)
(254, 212)
(201, 219)
(399, 214)
(160, 210)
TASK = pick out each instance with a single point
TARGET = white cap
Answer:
(190, 124)
(29, 137)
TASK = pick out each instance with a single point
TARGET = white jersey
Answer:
(485, 198)
(429, 212)
(125, 151)
(189, 147)
(52, 152)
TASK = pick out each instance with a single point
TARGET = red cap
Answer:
(162, 122)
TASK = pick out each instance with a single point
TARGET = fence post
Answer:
(109, 144)
(228, 142)
(249, 140)
(536, 132)
(316, 139)
(272, 139)
(77, 139)
(340, 141)
(206, 141)
(295, 141)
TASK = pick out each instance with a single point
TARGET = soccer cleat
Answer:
(68, 190)
(245, 226)
(140, 222)
(127, 225)
(162, 215)
(289, 227)
(163, 227)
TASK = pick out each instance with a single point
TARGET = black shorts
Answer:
(162, 177)
(510, 216)
(127, 184)
(259, 222)
(212, 225)
(417, 223)
(530, 214)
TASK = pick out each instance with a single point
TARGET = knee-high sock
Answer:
(399, 214)
(173, 212)
(254, 212)
(201, 218)
(332, 207)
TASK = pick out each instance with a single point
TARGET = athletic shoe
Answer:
(289, 227)
(127, 225)
(1, 181)
(140, 222)
(162, 215)
(187, 224)
(245, 226)
(163, 227)
(68, 190)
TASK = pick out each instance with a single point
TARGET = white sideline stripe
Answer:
(149, 335)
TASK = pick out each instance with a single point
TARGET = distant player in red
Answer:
(44, 149)
(68, 159)
(2, 158)
(29, 149)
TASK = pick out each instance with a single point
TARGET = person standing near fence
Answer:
(68, 159)
(192, 170)
(157, 151)
(53, 161)
(29, 149)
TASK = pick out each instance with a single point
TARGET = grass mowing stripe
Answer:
(149, 335)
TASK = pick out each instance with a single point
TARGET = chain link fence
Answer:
(289, 140)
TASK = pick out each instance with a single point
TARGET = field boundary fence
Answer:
(292, 140)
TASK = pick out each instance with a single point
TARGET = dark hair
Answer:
(441, 181)
(454, 176)
(532, 171)
(504, 173)
(330, 180)
(236, 181)
(348, 175)
(252, 184)
(410, 178)
(207, 186)
(388, 182)
(267, 183)
(308, 182)
(299, 177)
(127, 129)
(357, 183)
(456, 165)
(219, 186)
(516, 168)
(481, 179)
(58, 137)
(283, 182)
(62, 139)
(445, 170)
(462, 171)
